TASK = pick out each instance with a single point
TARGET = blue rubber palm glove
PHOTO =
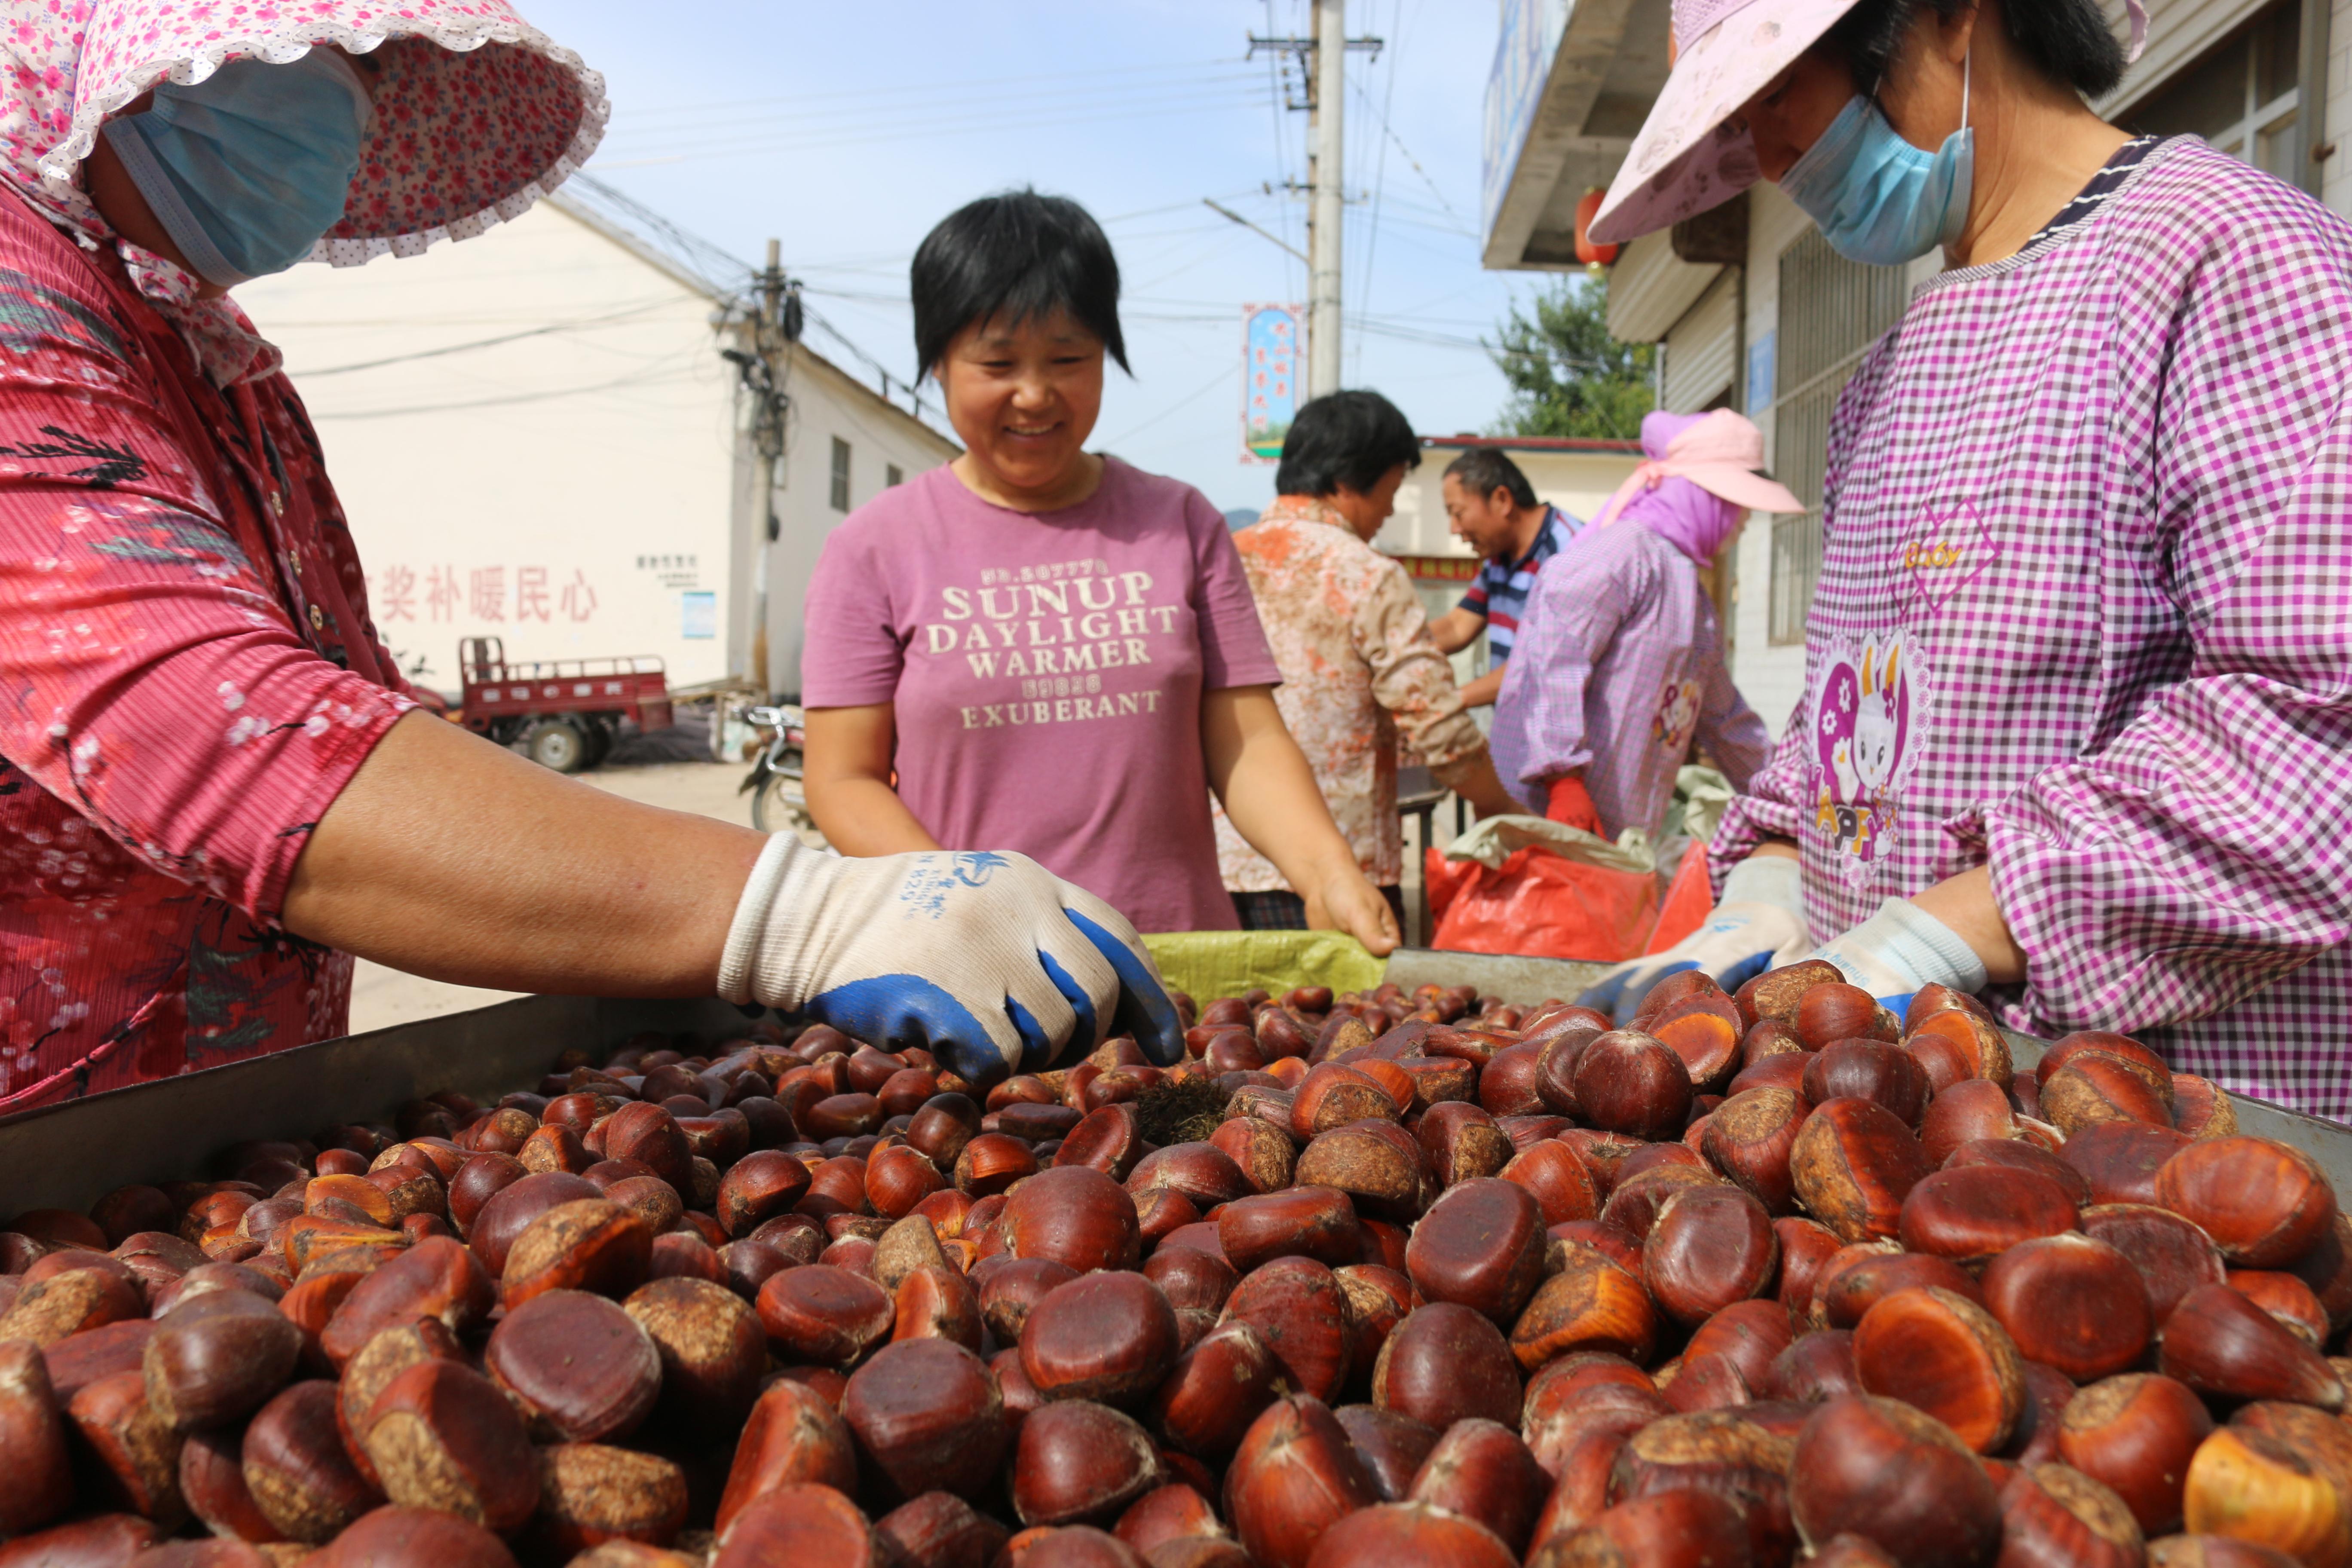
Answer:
(988, 961)
(1758, 925)
(1901, 949)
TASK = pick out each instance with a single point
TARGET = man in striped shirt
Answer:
(1493, 508)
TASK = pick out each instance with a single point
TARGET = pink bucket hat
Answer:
(1689, 157)
(1718, 452)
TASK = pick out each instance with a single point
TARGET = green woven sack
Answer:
(1213, 963)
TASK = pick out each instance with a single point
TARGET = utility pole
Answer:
(1323, 234)
(758, 370)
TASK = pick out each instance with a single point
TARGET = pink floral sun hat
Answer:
(478, 115)
(1691, 155)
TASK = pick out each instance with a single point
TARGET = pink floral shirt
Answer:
(1359, 671)
(188, 678)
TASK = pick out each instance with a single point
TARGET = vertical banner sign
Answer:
(1274, 341)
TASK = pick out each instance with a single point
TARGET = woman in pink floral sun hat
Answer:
(214, 784)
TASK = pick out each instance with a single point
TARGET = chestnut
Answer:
(295, 1468)
(2053, 1517)
(219, 1357)
(1510, 1084)
(929, 1417)
(2222, 1345)
(1012, 1289)
(1709, 1247)
(1413, 1531)
(397, 1537)
(1333, 1094)
(590, 1494)
(796, 1522)
(1590, 1304)
(2023, 1155)
(1751, 1335)
(1896, 1476)
(1562, 1184)
(1805, 1247)
(37, 1483)
(1869, 1070)
(1443, 1363)
(2092, 1086)
(2265, 1203)
(441, 1436)
(1391, 1444)
(824, 1314)
(1306, 1222)
(1816, 1367)
(2202, 1108)
(577, 1367)
(1108, 1337)
(1722, 1453)
(1635, 1202)
(2172, 1255)
(137, 1451)
(1976, 1211)
(2071, 1302)
(1625, 1082)
(1941, 1352)
(940, 1529)
(1376, 1163)
(48, 1311)
(1077, 1461)
(510, 1207)
(439, 1279)
(591, 1245)
(2120, 1159)
(1294, 1476)
(1853, 1163)
(1073, 1216)
(1262, 1154)
(2214, 1552)
(1215, 1390)
(2252, 1486)
(1481, 1244)
(1749, 1137)
(793, 1436)
(1685, 1528)
(2137, 1434)
(1298, 1308)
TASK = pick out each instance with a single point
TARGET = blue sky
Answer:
(847, 131)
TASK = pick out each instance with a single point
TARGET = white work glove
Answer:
(1759, 925)
(1901, 949)
(988, 961)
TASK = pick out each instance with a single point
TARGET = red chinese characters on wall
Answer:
(492, 594)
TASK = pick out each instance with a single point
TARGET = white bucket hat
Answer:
(1689, 156)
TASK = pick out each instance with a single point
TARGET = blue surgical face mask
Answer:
(1877, 198)
(248, 168)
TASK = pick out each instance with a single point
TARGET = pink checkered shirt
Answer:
(2085, 610)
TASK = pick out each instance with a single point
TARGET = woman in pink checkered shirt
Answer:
(2077, 729)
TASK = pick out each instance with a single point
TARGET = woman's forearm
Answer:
(1269, 793)
(451, 858)
(846, 771)
(861, 815)
(1965, 904)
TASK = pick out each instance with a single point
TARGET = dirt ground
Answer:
(382, 997)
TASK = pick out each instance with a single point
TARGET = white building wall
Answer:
(2336, 179)
(564, 490)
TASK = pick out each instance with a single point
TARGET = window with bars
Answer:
(840, 474)
(1831, 309)
(2244, 97)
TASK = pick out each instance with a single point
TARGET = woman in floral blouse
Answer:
(213, 787)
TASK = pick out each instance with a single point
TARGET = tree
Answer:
(1568, 376)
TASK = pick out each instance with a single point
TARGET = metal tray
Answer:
(70, 1154)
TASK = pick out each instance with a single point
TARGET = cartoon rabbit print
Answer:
(1873, 722)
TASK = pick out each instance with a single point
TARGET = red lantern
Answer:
(1589, 251)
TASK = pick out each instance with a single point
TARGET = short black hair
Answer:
(1016, 255)
(1483, 470)
(2068, 41)
(1344, 437)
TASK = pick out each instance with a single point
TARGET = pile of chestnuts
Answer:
(1379, 1279)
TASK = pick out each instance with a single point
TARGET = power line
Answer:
(489, 342)
(1181, 404)
(930, 90)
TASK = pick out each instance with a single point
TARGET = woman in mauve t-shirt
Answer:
(1054, 652)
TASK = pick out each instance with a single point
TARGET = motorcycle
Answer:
(779, 801)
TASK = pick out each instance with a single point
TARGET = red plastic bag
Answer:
(1543, 905)
(1444, 879)
(1688, 902)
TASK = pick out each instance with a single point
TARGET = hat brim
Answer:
(1688, 158)
(1740, 487)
